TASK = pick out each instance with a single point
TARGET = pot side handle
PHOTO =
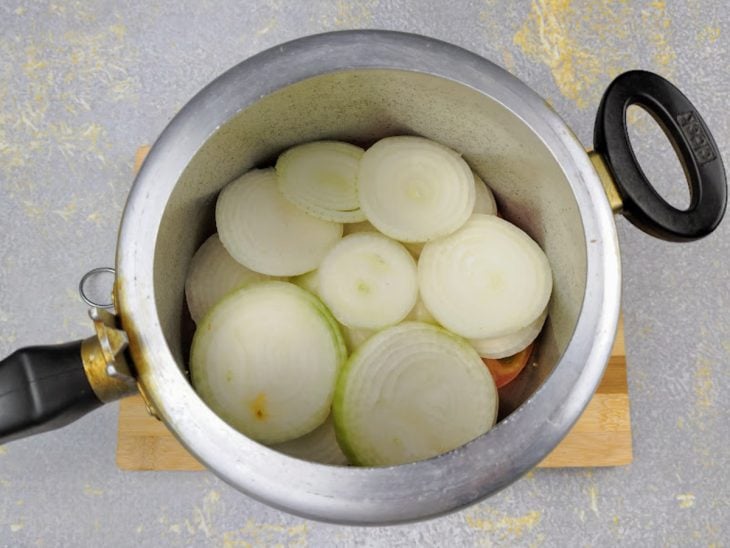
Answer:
(46, 387)
(687, 131)
(43, 388)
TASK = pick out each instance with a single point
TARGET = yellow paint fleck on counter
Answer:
(33, 61)
(15, 527)
(703, 384)
(593, 496)
(3, 450)
(95, 217)
(62, 71)
(203, 517)
(34, 211)
(72, 293)
(493, 521)
(586, 45)
(92, 491)
(508, 59)
(709, 34)
(256, 533)
(657, 21)
(686, 500)
(190, 527)
(57, 9)
(270, 24)
(118, 30)
(547, 36)
(349, 15)
(68, 210)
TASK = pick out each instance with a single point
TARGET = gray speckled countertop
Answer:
(82, 84)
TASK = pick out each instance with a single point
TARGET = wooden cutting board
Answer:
(601, 437)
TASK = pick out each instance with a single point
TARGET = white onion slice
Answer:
(212, 274)
(266, 359)
(265, 232)
(486, 280)
(353, 336)
(320, 445)
(508, 345)
(369, 281)
(321, 178)
(484, 201)
(409, 393)
(414, 190)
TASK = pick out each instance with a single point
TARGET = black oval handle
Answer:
(43, 388)
(688, 133)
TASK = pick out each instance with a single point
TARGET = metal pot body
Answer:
(360, 86)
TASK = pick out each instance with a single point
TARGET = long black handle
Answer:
(694, 145)
(43, 388)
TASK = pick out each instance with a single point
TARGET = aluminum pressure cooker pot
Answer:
(360, 86)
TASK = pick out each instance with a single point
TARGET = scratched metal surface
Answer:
(82, 84)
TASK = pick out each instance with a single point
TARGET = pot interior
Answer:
(362, 106)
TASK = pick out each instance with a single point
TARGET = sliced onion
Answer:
(484, 201)
(508, 345)
(265, 232)
(368, 281)
(409, 393)
(321, 178)
(212, 274)
(486, 280)
(320, 445)
(414, 190)
(266, 359)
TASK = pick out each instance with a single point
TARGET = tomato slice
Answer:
(505, 370)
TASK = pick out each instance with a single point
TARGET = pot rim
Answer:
(373, 495)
